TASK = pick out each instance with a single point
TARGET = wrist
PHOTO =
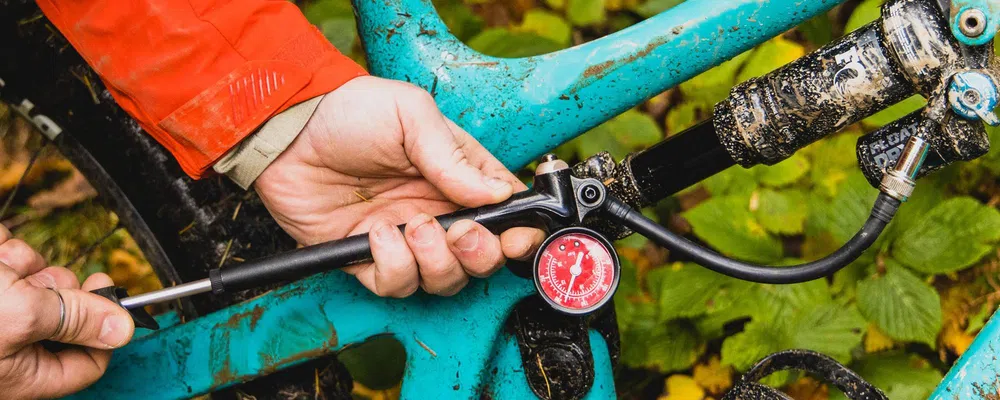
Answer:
(248, 160)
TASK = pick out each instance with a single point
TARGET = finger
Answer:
(441, 159)
(394, 270)
(521, 243)
(482, 159)
(440, 271)
(5, 234)
(476, 248)
(69, 370)
(20, 257)
(54, 277)
(90, 320)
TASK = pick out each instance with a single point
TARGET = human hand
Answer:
(30, 312)
(378, 153)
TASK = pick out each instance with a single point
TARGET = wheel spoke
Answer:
(93, 246)
(20, 181)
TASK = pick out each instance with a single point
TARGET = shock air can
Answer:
(908, 50)
(955, 140)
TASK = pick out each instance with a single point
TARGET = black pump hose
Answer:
(882, 212)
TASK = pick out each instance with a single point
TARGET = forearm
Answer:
(200, 76)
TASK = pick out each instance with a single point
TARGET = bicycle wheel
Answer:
(183, 227)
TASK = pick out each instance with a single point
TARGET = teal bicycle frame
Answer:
(519, 109)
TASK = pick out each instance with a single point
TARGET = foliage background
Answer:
(899, 316)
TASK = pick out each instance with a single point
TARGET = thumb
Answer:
(442, 157)
(90, 320)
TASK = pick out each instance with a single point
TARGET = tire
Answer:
(184, 227)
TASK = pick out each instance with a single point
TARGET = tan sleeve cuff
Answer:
(245, 162)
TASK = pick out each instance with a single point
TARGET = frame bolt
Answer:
(590, 195)
(972, 22)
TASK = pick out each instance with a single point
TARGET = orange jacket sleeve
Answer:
(200, 75)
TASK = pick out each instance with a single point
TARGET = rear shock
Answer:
(909, 50)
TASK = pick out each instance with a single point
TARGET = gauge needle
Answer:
(574, 272)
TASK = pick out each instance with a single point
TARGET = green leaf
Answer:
(783, 173)
(628, 284)
(734, 301)
(901, 376)
(848, 210)
(341, 32)
(758, 340)
(681, 117)
(335, 18)
(653, 7)
(632, 241)
(831, 329)
(832, 159)
(825, 327)
(769, 56)
(501, 42)
(781, 212)
(866, 12)
(735, 180)
(377, 363)
(978, 320)
(556, 4)
(928, 194)
(321, 10)
(635, 315)
(895, 112)
(953, 235)
(902, 306)
(684, 289)
(585, 12)
(713, 86)
(818, 30)
(787, 301)
(668, 347)
(727, 224)
(459, 18)
(546, 25)
(625, 133)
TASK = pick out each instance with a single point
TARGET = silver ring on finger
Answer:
(62, 312)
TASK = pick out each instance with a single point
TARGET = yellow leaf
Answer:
(808, 389)
(955, 339)
(755, 228)
(683, 387)
(362, 391)
(876, 341)
(714, 376)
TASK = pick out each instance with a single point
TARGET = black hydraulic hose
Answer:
(882, 212)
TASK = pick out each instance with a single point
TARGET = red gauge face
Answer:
(576, 272)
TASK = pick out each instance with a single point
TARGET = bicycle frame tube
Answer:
(519, 109)
(977, 374)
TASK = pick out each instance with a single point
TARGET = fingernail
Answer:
(45, 280)
(424, 233)
(496, 183)
(469, 241)
(114, 331)
(384, 232)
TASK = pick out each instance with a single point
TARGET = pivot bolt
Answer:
(972, 22)
(591, 195)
